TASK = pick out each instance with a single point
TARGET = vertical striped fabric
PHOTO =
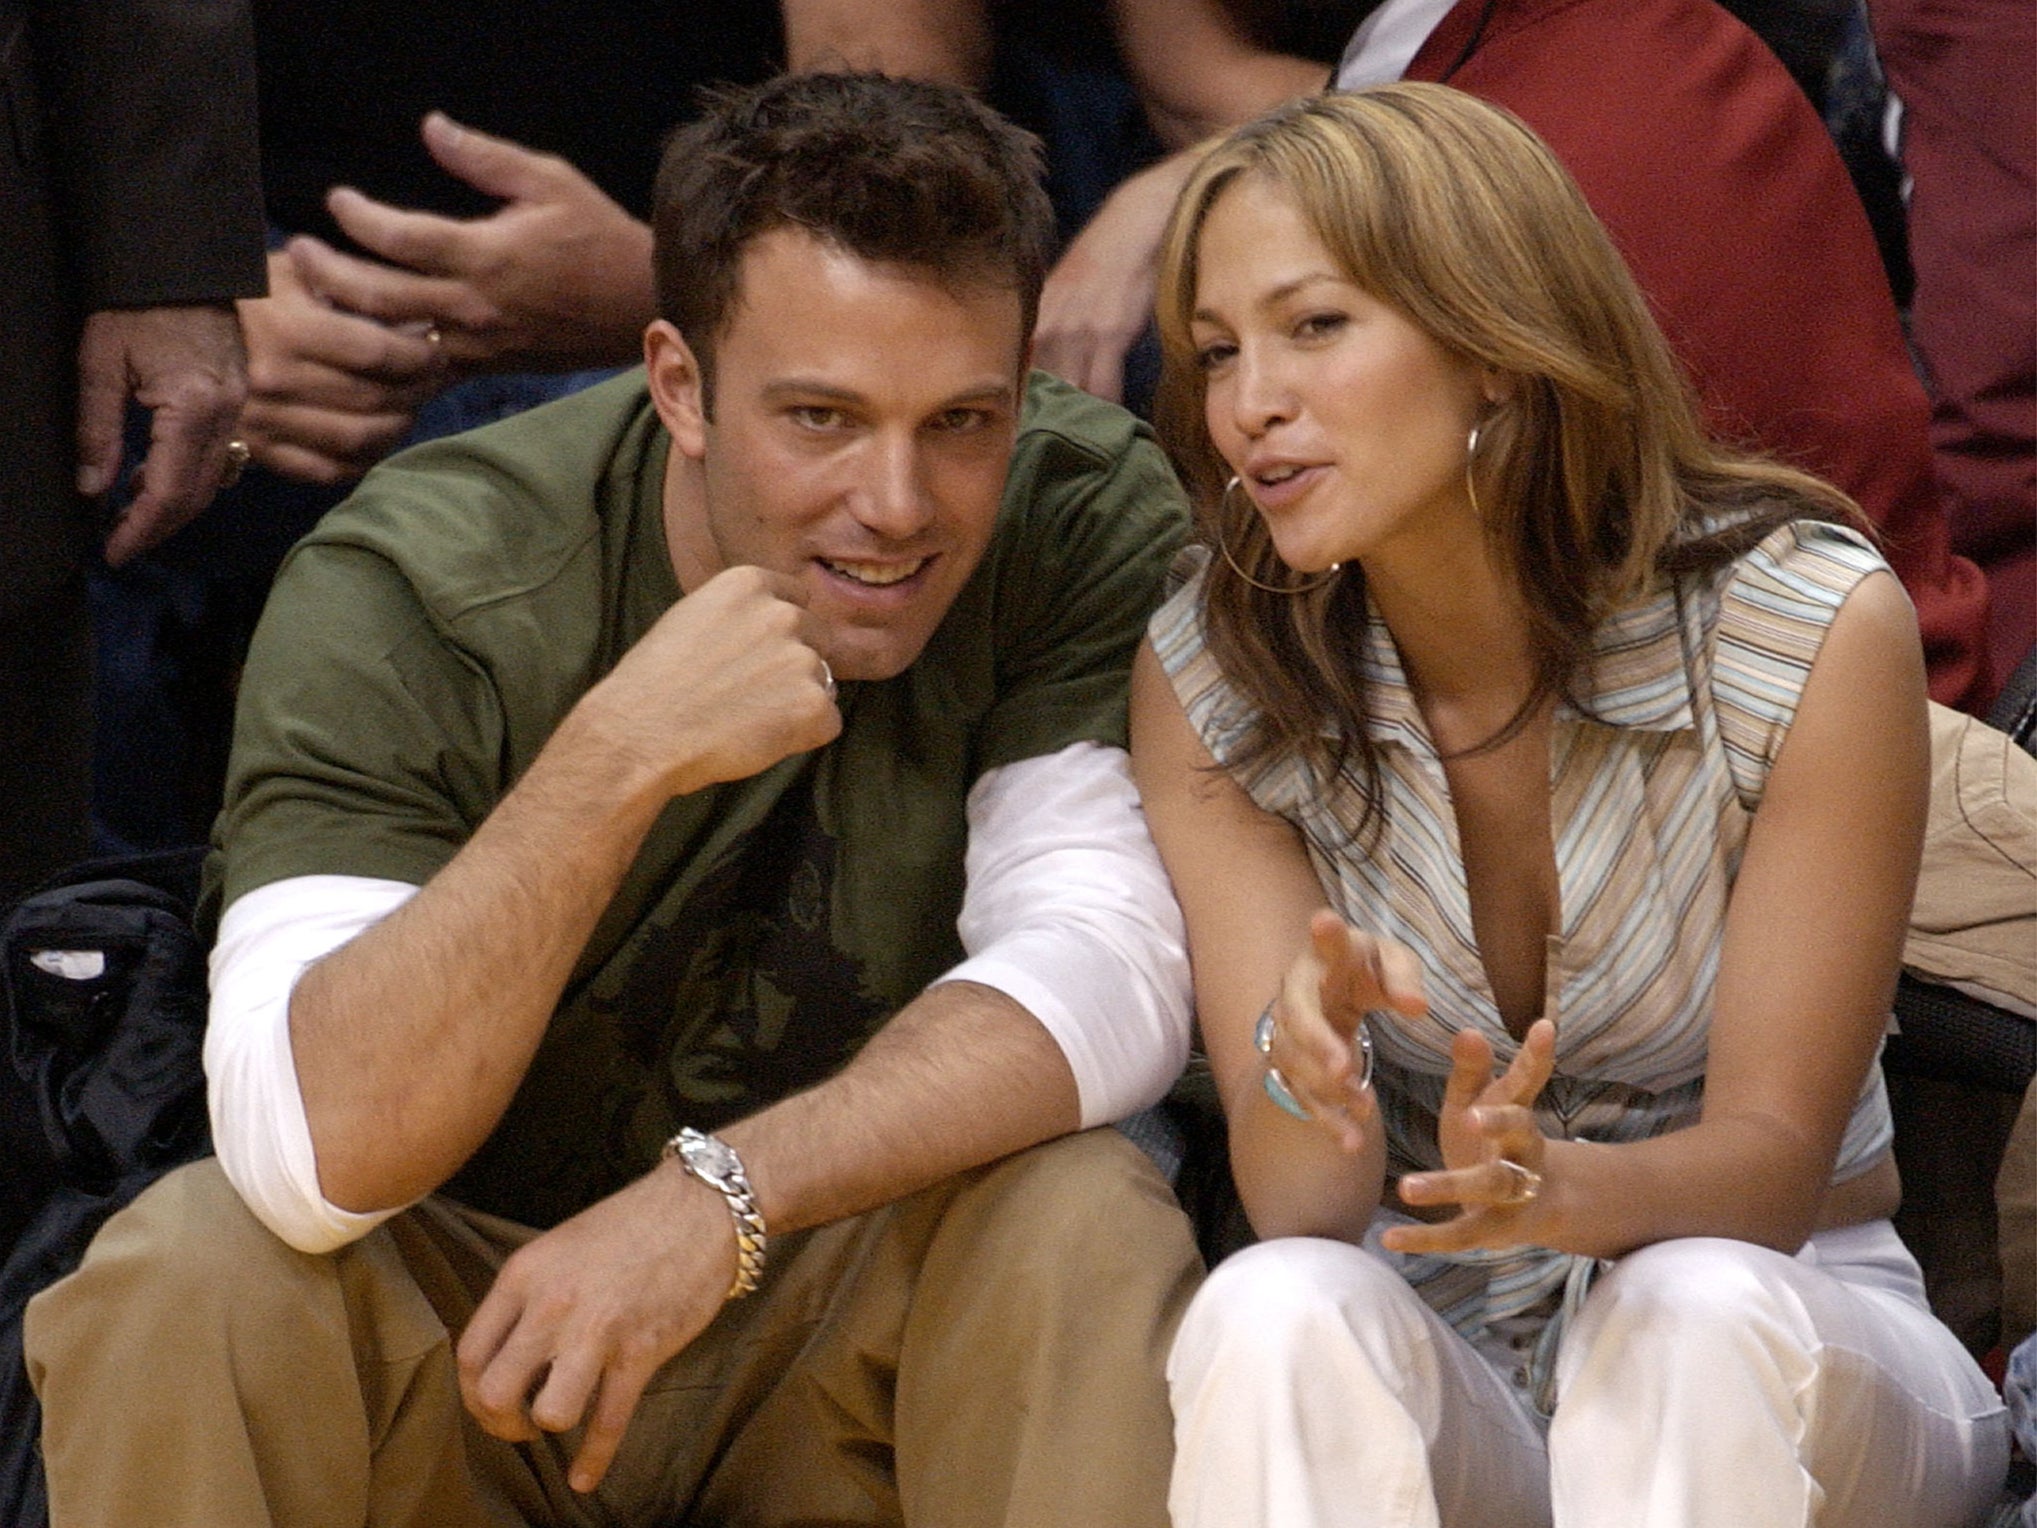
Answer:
(1691, 695)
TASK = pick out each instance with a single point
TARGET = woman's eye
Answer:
(1321, 325)
(1209, 357)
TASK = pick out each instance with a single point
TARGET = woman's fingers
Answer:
(1470, 1072)
(1361, 971)
(1499, 1184)
(1315, 1065)
(1528, 1073)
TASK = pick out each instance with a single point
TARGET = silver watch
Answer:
(714, 1162)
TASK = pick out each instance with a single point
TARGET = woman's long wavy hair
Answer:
(1595, 476)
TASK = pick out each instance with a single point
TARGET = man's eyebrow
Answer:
(808, 390)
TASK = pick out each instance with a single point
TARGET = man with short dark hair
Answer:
(609, 785)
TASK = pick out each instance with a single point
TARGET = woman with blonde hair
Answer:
(1606, 747)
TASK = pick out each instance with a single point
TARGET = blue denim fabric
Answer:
(2019, 1389)
(172, 627)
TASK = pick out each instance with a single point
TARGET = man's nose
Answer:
(892, 501)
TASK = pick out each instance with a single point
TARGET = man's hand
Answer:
(185, 364)
(330, 393)
(728, 682)
(584, 1315)
(558, 277)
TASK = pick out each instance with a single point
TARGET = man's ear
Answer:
(677, 390)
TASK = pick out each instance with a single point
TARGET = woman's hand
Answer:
(1493, 1153)
(1343, 975)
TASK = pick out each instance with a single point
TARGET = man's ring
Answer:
(237, 456)
(1527, 1185)
(827, 680)
(433, 337)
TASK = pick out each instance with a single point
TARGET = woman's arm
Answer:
(1247, 893)
(1813, 937)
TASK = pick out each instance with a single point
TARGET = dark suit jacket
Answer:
(128, 178)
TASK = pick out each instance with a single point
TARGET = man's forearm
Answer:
(411, 1039)
(961, 1076)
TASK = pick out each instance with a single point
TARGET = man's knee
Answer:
(187, 1250)
(187, 1266)
(1081, 1206)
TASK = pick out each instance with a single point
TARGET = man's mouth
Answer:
(875, 575)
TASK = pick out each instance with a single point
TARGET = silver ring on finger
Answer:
(238, 454)
(1527, 1185)
(827, 680)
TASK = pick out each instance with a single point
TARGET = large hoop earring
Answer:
(1470, 487)
(1223, 508)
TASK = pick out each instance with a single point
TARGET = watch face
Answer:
(708, 1157)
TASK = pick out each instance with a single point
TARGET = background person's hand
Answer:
(1485, 1122)
(330, 392)
(556, 278)
(1099, 296)
(185, 364)
(1344, 974)
(579, 1320)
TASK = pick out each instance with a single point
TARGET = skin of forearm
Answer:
(1293, 1178)
(1750, 1179)
(1248, 86)
(411, 1039)
(1197, 72)
(947, 40)
(961, 1076)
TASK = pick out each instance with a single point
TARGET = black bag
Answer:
(102, 1080)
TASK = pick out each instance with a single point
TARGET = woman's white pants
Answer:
(1705, 1383)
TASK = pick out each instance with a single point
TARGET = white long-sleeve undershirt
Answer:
(1067, 910)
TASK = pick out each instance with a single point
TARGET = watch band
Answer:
(714, 1162)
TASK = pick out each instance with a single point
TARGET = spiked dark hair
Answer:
(894, 171)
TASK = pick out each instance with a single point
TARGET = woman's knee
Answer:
(1693, 1285)
(1680, 1313)
(1289, 1302)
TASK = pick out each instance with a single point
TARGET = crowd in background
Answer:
(251, 250)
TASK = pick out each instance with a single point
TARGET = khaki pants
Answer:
(986, 1352)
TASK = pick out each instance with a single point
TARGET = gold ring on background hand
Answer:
(1527, 1185)
(238, 454)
